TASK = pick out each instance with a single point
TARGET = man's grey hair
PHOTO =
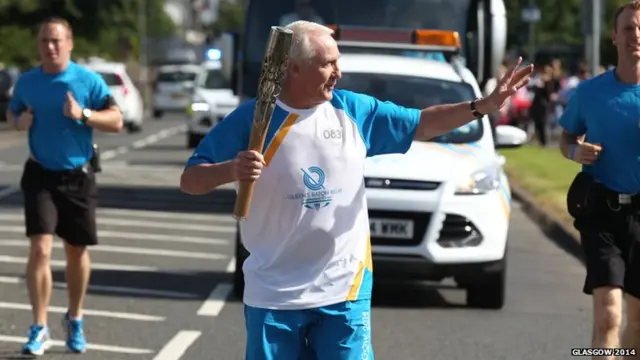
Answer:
(302, 50)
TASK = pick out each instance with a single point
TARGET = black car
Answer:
(8, 78)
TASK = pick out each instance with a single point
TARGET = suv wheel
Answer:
(489, 290)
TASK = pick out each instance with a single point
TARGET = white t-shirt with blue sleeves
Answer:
(308, 228)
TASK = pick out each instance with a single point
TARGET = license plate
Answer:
(391, 228)
(177, 96)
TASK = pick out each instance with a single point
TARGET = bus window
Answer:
(408, 14)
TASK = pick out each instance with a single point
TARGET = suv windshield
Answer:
(176, 76)
(213, 79)
(416, 92)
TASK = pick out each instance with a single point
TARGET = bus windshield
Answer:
(407, 14)
(416, 92)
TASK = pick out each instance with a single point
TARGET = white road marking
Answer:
(164, 225)
(95, 266)
(11, 280)
(110, 154)
(178, 345)
(159, 237)
(137, 236)
(11, 216)
(89, 312)
(130, 250)
(166, 215)
(112, 289)
(149, 214)
(141, 143)
(121, 150)
(103, 266)
(231, 267)
(12, 229)
(91, 347)
(142, 223)
(216, 300)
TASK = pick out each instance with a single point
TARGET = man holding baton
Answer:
(308, 278)
(60, 103)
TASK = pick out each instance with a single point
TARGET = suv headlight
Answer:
(197, 104)
(480, 182)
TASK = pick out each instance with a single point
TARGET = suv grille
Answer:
(381, 183)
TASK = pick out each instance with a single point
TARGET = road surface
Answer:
(161, 280)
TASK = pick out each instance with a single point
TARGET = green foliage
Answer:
(560, 24)
(12, 48)
(105, 28)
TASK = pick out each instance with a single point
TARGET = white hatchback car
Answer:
(211, 101)
(124, 91)
(173, 87)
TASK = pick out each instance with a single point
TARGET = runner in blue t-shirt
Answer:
(59, 103)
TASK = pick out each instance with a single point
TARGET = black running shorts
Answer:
(61, 203)
(610, 238)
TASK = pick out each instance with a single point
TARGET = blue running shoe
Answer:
(38, 340)
(76, 341)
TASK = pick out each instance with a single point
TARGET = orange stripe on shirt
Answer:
(357, 282)
(278, 138)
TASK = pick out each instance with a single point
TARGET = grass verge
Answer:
(544, 173)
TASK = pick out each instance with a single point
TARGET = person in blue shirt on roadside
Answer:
(60, 103)
(602, 132)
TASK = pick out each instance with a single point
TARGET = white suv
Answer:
(125, 93)
(211, 101)
(173, 87)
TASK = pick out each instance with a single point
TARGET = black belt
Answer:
(84, 169)
(618, 199)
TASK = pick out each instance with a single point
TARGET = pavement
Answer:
(160, 288)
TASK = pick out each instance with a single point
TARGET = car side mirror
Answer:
(508, 136)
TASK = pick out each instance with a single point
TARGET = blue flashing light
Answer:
(214, 54)
(435, 56)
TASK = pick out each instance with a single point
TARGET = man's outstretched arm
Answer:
(440, 119)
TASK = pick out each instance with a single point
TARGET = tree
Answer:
(560, 24)
(101, 27)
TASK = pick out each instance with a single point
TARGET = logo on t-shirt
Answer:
(317, 196)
